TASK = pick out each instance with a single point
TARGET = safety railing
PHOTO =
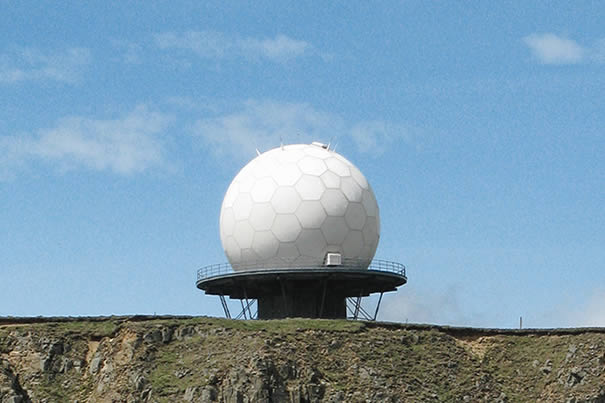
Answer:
(222, 269)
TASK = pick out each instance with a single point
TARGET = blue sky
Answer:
(479, 126)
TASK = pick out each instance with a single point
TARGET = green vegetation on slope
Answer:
(202, 359)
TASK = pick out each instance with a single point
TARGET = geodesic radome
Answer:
(292, 205)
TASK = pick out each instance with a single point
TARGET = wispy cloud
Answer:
(216, 45)
(129, 52)
(126, 145)
(549, 48)
(263, 124)
(28, 64)
(280, 48)
(552, 49)
(376, 136)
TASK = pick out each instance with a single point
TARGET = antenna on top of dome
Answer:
(329, 144)
(281, 142)
(258, 152)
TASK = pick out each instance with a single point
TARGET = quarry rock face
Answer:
(166, 359)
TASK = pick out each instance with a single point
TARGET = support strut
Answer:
(378, 306)
(323, 298)
(283, 293)
(225, 307)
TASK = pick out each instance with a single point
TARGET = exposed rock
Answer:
(10, 387)
(95, 365)
(190, 394)
(167, 335)
(206, 360)
(547, 367)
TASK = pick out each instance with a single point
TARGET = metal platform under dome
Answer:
(309, 290)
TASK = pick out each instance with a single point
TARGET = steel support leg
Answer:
(247, 304)
(225, 307)
(323, 298)
(357, 306)
(243, 308)
(378, 306)
(283, 293)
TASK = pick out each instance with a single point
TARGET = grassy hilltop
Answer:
(167, 359)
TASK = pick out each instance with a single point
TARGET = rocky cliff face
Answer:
(167, 359)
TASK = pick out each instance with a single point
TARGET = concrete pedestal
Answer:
(302, 303)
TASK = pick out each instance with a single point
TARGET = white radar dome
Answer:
(291, 206)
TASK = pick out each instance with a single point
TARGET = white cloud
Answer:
(216, 45)
(261, 124)
(552, 49)
(29, 64)
(281, 48)
(130, 52)
(376, 136)
(126, 145)
(549, 48)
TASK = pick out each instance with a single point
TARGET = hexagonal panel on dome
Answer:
(243, 234)
(310, 187)
(338, 167)
(335, 202)
(231, 195)
(285, 200)
(343, 159)
(335, 230)
(227, 222)
(317, 152)
(351, 189)
(286, 227)
(242, 206)
(334, 249)
(263, 190)
(369, 203)
(370, 231)
(353, 244)
(264, 166)
(232, 250)
(330, 180)
(355, 216)
(311, 243)
(289, 154)
(288, 251)
(265, 245)
(245, 179)
(262, 216)
(249, 256)
(311, 214)
(312, 166)
(367, 252)
(359, 178)
(287, 175)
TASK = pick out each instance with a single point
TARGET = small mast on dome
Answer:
(300, 226)
(322, 145)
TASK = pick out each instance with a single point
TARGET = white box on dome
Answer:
(333, 259)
